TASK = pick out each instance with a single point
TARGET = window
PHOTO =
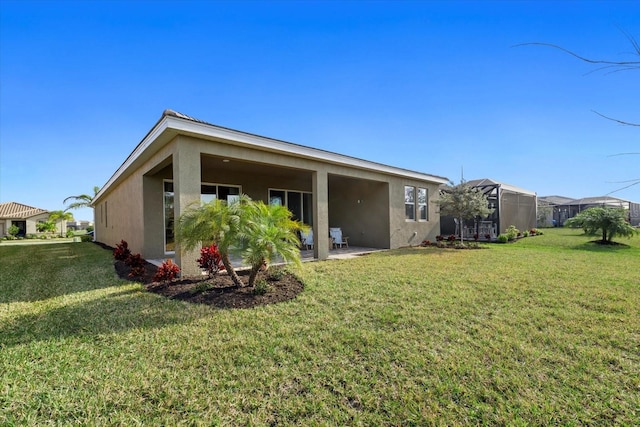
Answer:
(209, 192)
(298, 202)
(423, 212)
(409, 203)
(169, 241)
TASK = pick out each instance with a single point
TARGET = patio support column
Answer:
(186, 190)
(320, 188)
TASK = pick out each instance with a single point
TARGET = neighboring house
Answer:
(565, 208)
(79, 225)
(511, 206)
(183, 160)
(22, 216)
(547, 214)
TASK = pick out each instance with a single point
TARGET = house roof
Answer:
(556, 200)
(602, 200)
(488, 182)
(172, 123)
(13, 210)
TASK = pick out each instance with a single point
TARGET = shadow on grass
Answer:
(40, 272)
(115, 312)
(595, 246)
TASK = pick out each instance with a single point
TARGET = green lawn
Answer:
(545, 331)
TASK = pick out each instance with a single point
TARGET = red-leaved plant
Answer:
(136, 263)
(210, 260)
(122, 252)
(167, 272)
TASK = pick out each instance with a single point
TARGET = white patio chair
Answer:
(338, 238)
(306, 238)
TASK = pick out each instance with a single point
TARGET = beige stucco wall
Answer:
(368, 205)
(31, 224)
(412, 232)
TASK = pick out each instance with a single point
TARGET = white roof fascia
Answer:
(261, 143)
(515, 189)
(269, 144)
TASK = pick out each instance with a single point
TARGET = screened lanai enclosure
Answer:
(511, 206)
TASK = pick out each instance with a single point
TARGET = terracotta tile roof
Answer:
(13, 210)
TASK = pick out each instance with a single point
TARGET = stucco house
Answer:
(564, 208)
(22, 216)
(183, 160)
(511, 206)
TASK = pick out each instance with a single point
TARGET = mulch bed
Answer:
(219, 291)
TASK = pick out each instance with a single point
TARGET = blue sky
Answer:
(430, 86)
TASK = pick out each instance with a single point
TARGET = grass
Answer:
(545, 331)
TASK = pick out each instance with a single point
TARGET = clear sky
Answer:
(431, 86)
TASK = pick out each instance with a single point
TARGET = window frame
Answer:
(305, 196)
(419, 205)
(410, 190)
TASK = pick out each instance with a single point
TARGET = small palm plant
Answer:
(271, 235)
(214, 223)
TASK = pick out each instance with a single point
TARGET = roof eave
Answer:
(188, 126)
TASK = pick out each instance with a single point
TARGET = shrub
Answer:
(210, 260)
(451, 238)
(136, 263)
(439, 238)
(13, 230)
(525, 233)
(202, 288)
(512, 232)
(70, 233)
(167, 272)
(503, 238)
(86, 238)
(276, 274)
(425, 243)
(122, 252)
(476, 236)
(487, 236)
(261, 287)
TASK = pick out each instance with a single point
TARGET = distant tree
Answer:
(544, 212)
(60, 216)
(81, 200)
(609, 221)
(45, 226)
(462, 201)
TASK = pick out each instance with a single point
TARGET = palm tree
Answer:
(216, 222)
(272, 234)
(61, 216)
(82, 200)
(258, 232)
